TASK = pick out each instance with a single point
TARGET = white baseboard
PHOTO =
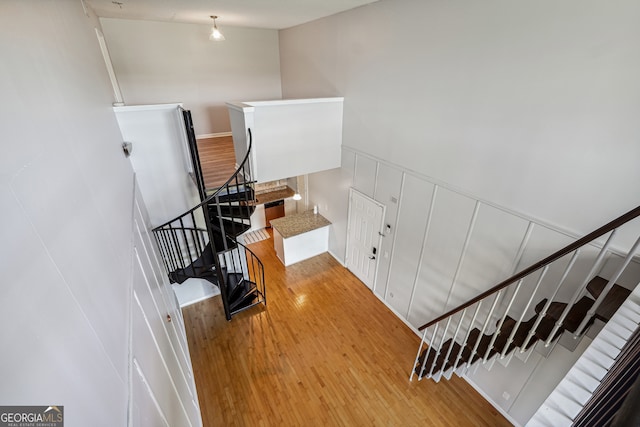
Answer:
(337, 259)
(393, 310)
(213, 135)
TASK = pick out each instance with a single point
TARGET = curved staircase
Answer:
(203, 242)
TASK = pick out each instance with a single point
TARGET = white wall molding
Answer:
(553, 227)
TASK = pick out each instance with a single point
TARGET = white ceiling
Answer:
(273, 14)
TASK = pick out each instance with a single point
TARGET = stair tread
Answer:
(239, 211)
(233, 282)
(202, 268)
(249, 294)
(218, 240)
(231, 228)
(571, 323)
(438, 362)
(236, 193)
(614, 299)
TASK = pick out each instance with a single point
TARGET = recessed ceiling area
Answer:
(271, 14)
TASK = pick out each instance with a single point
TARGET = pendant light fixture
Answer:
(216, 35)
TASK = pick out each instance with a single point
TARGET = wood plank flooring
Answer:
(324, 352)
(218, 159)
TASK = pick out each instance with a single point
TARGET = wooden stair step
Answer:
(572, 321)
(430, 354)
(574, 317)
(614, 299)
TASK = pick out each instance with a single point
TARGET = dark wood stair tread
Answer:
(571, 323)
(246, 299)
(614, 299)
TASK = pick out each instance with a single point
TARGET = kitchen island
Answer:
(300, 236)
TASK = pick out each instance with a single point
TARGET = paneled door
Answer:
(363, 236)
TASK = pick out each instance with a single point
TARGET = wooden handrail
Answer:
(633, 213)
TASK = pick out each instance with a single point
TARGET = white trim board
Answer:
(213, 135)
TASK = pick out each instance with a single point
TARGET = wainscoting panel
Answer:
(365, 175)
(541, 243)
(388, 188)
(451, 219)
(446, 246)
(415, 203)
(490, 255)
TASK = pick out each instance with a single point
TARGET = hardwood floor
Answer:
(325, 351)
(218, 159)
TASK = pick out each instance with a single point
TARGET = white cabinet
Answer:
(299, 237)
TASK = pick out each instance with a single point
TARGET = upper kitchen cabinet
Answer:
(290, 137)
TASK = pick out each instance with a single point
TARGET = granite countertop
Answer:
(292, 225)
(263, 197)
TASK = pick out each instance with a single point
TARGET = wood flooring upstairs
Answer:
(324, 352)
(218, 159)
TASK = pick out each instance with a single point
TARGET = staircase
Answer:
(203, 242)
(524, 313)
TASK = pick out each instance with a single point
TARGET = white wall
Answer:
(479, 120)
(289, 137)
(159, 62)
(160, 158)
(66, 210)
(326, 190)
(530, 106)
(66, 193)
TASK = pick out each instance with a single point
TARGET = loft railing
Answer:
(466, 334)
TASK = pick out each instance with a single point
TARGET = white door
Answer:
(363, 236)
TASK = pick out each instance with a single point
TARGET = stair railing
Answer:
(439, 352)
(243, 260)
(186, 238)
(182, 239)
